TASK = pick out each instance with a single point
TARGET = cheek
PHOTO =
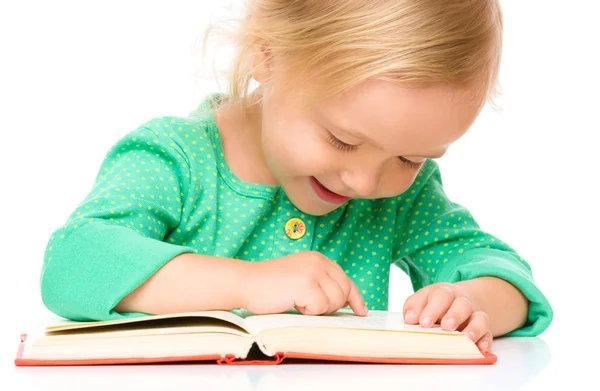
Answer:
(294, 148)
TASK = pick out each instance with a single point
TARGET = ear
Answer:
(262, 64)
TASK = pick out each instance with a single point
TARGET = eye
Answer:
(339, 144)
(409, 163)
(345, 147)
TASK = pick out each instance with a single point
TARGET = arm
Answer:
(187, 283)
(118, 236)
(442, 244)
(307, 281)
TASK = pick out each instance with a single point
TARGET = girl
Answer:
(302, 193)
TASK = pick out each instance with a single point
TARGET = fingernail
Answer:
(410, 316)
(484, 346)
(471, 335)
(366, 309)
(426, 322)
(450, 323)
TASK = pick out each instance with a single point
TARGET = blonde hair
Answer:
(338, 44)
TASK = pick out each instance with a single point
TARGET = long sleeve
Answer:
(118, 236)
(441, 242)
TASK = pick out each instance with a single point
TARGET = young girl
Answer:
(303, 192)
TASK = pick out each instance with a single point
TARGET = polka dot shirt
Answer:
(165, 189)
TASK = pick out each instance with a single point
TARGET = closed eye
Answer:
(339, 144)
(345, 147)
(410, 163)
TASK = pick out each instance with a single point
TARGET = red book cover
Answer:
(489, 358)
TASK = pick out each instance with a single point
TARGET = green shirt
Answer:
(165, 189)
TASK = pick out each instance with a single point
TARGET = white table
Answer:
(523, 363)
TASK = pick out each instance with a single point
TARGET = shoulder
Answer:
(428, 179)
(426, 187)
(429, 172)
(168, 140)
(184, 132)
(196, 135)
(188, 138)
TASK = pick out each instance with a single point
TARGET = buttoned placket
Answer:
(294, 230)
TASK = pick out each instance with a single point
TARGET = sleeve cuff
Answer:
(502, 264)
(96, 265)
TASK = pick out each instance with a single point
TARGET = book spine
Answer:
(230, 359)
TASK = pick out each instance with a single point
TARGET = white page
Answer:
(232, 317)
(375, 320)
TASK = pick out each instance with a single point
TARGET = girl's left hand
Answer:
(452, 306)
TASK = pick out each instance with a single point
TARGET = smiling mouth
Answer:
(325, 194)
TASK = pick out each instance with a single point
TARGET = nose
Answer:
(362, 180)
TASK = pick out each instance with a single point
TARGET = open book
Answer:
(239, 337)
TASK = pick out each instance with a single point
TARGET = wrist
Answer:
(503, 302)
(472, 289)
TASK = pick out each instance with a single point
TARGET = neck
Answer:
(241, 132)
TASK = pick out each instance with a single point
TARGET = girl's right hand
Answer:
(308, 281)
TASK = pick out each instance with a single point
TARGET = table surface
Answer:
(523, 363)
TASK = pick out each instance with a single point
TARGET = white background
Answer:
(75, 77)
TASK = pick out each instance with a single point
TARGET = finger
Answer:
(356, 301)
(478, 325)
(336, 273)
(353, 298)
(313, 301)
(458, 313)
(334, 292)
(439, 300)
(485, 343)
(413, 306)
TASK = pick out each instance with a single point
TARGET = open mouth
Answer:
(325, 194)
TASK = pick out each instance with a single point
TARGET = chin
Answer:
(313, 207)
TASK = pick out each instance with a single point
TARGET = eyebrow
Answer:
(364, 137)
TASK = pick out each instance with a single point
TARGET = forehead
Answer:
(401, 118)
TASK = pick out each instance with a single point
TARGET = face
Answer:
(368, 143)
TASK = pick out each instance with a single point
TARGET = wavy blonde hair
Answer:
(338, 44)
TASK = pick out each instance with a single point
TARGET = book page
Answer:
(346, 319)
(194, 318)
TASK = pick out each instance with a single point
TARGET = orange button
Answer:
(295, 228)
